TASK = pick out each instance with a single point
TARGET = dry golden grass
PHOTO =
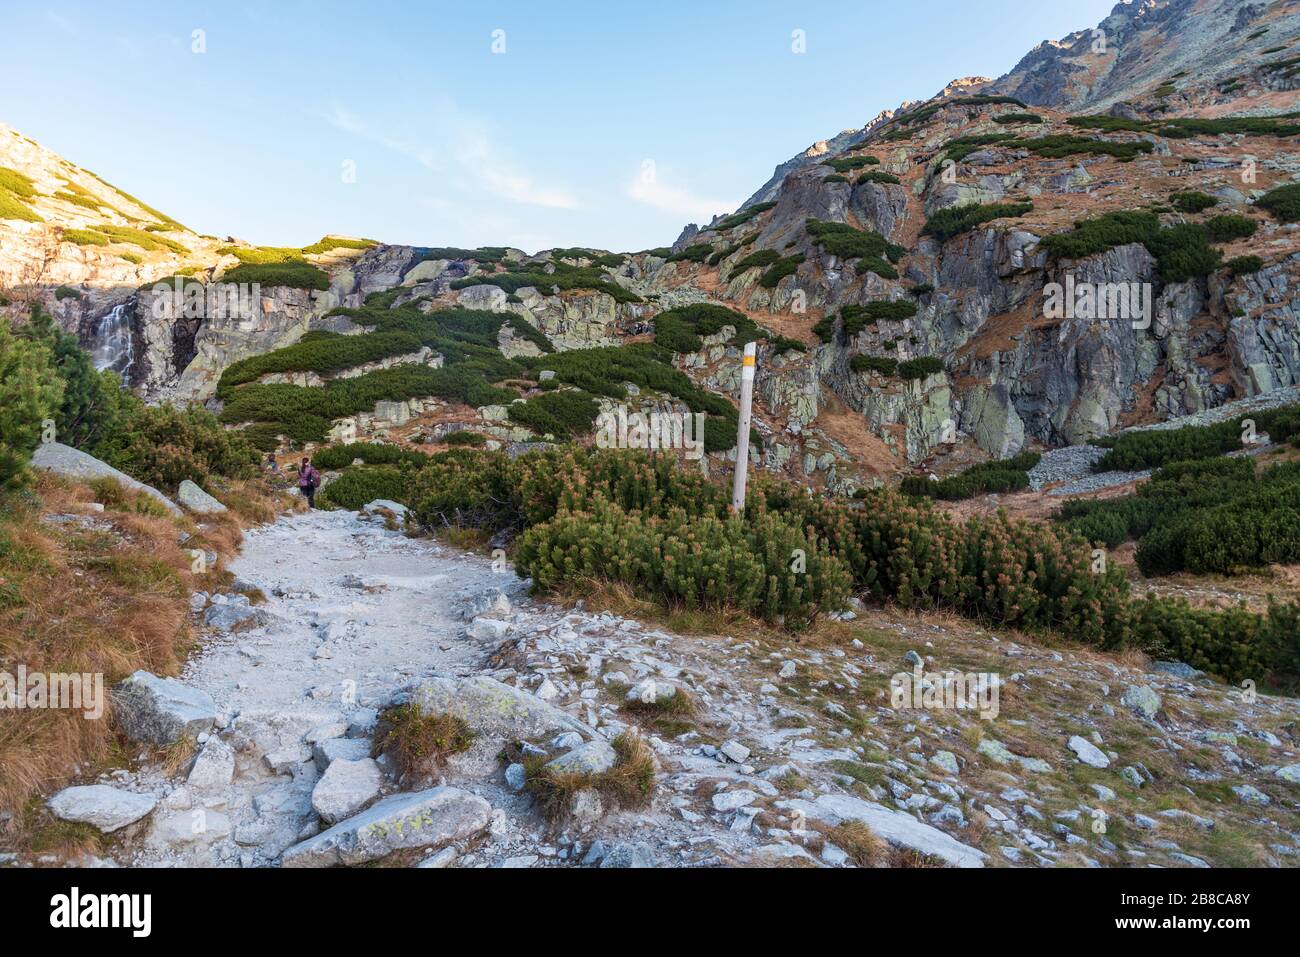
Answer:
(864, 847)
(629, 783)
(419, 743)
(108, 599)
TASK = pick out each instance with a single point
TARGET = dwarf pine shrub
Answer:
(1283, 202)
(666, 534)
(950, 222)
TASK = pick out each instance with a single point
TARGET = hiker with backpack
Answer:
(308, 481)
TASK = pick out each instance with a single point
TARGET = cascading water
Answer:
(113, 346)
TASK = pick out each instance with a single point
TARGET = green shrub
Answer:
(920, 368)
(564, 278)
(305, 413)
(845, 164)
(150, 242)
(465, 437)
(162, 446)
(329, 243)
(66, 292)
(881, 365)
(924, 113)
(19, 184)
(335, 457)
(688, 561)
(1002, 475)
(12, 207)
(560, 414)
(874, 252)
(1182, 252)
(950, 222)
(784, 344)
(1283, 202)
(1244, 265)
(1187, 127)
(835, 178)
(1226, 228)
(84, 237)
(779, 270)
(296, 275)
(1192, 202)
(323, 356)
(741, 217)
(1149, 448)
(604, 371)
(1018, 118)
(681, 329)
(876, 176)
(359, 486)
(696, 253)
(30, 393)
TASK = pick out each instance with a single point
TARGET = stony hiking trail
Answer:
(786, 747)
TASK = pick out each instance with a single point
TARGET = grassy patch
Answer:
(629, 783)
(418, 743)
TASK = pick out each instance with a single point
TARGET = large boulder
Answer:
(494, 709)
(70, 463)
(424, 819)
(161, 710)
(896, 827)
(107, 808)
(198, 501)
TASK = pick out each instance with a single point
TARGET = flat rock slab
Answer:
(345, 788)
(1088, 753)
(899, 829)
(161, 710)
(70, 463)
(429, 819)
(107, 808)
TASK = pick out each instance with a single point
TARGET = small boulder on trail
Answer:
(161, 710)
(107, 808)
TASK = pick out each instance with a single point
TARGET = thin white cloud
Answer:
(649, 188)
(477, 161)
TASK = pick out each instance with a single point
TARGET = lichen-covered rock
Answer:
(198, 501)
(425, 819)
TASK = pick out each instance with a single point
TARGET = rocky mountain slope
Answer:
(895, 334)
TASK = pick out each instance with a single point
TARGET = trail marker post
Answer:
(742, 428)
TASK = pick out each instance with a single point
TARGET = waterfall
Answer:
(113, 346)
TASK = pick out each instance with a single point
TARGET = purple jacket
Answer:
(308, 476)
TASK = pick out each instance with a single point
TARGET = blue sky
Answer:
(545, 144)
